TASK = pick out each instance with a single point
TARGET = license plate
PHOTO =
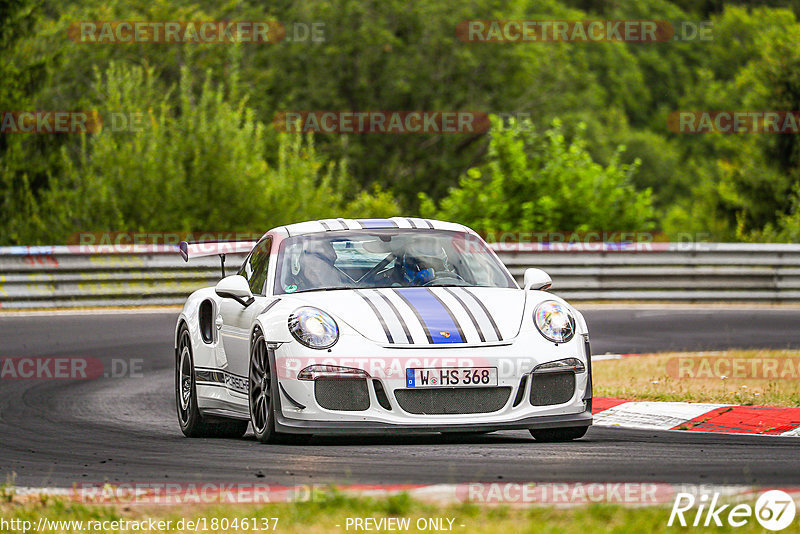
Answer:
(464, 377)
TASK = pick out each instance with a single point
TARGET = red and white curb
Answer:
(697, 417)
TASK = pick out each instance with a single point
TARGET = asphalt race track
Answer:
(62, 432)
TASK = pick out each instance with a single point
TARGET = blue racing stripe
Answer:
(376, 223)
(435, 318)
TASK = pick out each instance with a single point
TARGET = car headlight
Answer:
(554, 321)
(313, 328)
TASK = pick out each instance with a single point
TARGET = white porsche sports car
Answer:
(346, 326)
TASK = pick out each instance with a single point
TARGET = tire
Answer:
(558, 434)
(262, 387)
(260, 390)
(192, 423)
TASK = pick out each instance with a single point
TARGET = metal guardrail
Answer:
(667, 271)
(49, 277)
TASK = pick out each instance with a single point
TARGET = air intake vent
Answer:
(342, 394)
(441, 401)
(521, 391)
(380, 393)
(548, 389)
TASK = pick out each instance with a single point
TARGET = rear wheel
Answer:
(192, 423)
(558, 434)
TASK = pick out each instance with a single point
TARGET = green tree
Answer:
(196, 166)
(543, 182)
(743, 183)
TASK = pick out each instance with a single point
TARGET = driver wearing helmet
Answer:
(423, 262)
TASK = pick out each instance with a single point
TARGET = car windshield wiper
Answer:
(330, 288)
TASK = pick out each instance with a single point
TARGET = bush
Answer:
(541, 182)
(196, 166)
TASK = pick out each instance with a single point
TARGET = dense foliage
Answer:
(593, 150)
(551, 181)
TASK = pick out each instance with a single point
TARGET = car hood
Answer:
(436, 316)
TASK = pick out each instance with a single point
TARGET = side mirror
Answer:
(235, 287)
(536, 279)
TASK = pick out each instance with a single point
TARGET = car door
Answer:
(235, 320)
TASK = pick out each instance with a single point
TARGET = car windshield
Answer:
(387, 258)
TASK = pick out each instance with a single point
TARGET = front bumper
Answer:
(297, 409)
(297, 426)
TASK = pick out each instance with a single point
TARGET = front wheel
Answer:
(262, 387)
(260, 392)
(558, 434)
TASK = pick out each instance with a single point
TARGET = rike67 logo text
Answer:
(774, 510)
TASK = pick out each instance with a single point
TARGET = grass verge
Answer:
(330, 514)
(746, 377)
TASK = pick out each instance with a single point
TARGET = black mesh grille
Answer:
(349, 394)
(552, 388)
(380, 394)
(442, 401)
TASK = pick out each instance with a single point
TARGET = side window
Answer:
(256, 267)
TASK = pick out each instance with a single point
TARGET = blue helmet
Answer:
(421, 263)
